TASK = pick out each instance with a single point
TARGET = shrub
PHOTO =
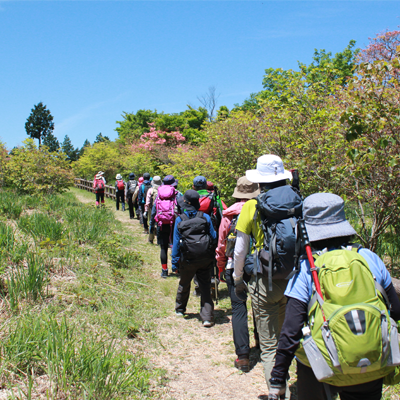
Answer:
(32, 171)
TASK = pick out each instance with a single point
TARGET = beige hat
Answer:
(245, 189)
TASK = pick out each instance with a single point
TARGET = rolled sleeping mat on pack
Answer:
(396, 284)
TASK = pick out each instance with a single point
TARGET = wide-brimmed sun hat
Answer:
(269, 169)
(325, 218)
(245, 189)
(118, 177)
(156, 182)
(191, 200)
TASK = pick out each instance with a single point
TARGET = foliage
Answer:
(189, 123)
(69, 150)
(382, 47)
(41, 226)
(51, 142)
(39, 123)
(101, 139)
(31, 170)
(372, 118)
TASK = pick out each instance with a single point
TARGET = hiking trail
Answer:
(198, 361)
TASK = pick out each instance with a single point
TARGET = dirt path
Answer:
(198, 361)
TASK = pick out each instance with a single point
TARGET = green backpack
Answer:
(358, 343)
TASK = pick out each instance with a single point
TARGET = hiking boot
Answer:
(146, 231)
(208, 324)
(242, 365)
(164, 273)
(179, 314)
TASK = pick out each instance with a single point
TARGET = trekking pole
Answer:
(306, 241)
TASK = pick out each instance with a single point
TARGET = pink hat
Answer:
(141, 179)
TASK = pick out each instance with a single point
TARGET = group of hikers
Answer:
(315, 295)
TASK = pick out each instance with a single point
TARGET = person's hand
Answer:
(145, 214)
(241, 289)
(277, 390)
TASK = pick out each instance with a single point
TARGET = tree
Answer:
(209, 101)
(32, 171)
(39, 123)
(100, 138)
(325, 67)
(82, 150)
(69, 150)
(382, 47)
(51, 142)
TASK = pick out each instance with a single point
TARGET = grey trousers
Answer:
(269, 313)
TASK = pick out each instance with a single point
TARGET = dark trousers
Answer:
(239, 317)
(100, 196)
(163, 236)
(131, 207)
(136, 207)
(120, 195)
(309, 388)
(202, 270)
(145, 224)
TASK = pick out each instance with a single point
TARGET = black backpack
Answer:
(280, 209)
(132, 187)
(196, 244)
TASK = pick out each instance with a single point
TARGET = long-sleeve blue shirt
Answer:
(176, 250)
(141, 199)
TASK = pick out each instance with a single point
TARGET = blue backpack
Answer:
(279, 209)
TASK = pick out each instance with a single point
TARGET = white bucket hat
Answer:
(269, 169)
(118, 177)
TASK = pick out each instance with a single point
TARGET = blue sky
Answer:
(89, 61)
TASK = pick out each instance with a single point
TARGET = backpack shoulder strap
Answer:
(184, 217)
(199, 214)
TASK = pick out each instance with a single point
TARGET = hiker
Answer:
(211, 204)
(130, 188)
(163, 219)
(144, 187)
(267, 295)
(120, 192)
(349, 276)
(150, 199)
(194, 246)
(98, 186)
(136, 202)
(101, 173)
(244, 191)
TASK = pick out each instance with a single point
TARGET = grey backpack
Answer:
(280, 209)
(132, 187)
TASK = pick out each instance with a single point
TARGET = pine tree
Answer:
(69, 150)
(51, 142)
(39, 123)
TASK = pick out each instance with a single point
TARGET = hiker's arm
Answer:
(213, 234)
(289, 339)
(220, 251)
(135, 194)
(241, 250)
(148, 197)
(176, 249)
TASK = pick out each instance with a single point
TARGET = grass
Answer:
(79, 302)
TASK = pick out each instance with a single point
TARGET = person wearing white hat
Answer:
(268, 306)
(120, 191)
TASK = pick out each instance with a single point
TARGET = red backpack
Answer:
(99, 184)
(120, 185)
